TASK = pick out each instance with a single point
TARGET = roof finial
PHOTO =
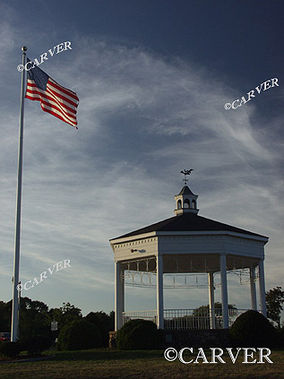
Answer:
(185, 173)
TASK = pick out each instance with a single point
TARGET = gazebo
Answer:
(189, 243)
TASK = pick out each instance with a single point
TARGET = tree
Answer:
(203, 310)
(33, 305)
(5, 317)
(65, 314)
(71, 310)
(201, 314)
(274, 300)
(34, 321)
(112, 322)
(103, 321)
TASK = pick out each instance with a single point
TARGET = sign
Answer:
(54, 326)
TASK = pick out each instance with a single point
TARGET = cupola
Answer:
(186, 200)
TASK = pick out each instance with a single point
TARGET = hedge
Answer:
(139, 334)
(79, 334)
(252, 329)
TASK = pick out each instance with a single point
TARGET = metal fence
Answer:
(145, 315)
(186, 318)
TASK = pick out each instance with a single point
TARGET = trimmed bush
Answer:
(10, 349)
(252, 329)
(37, 344)
(104, 322)
(79, 334)
(139, 334)
(122, 334)
(280, 333)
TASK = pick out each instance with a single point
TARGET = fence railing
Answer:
(186, 318)
(145, 315)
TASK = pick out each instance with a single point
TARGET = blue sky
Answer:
(152, 78)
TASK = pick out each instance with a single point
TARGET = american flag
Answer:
(54, 99)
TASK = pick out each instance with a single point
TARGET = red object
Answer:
(55, 99)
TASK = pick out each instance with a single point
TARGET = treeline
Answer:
(36, 317)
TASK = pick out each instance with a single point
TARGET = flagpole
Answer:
(15, 300)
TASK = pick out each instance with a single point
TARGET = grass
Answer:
(104, 363)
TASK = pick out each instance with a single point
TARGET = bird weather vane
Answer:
(185, 173)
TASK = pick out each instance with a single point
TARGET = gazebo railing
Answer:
(150, 315)
(185, 318)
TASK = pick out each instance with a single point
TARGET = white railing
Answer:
(185, 318)
(144, 315)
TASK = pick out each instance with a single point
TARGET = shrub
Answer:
(104, 322)
(79, 334)
(10, 349)
(252, 329)
(280, 333)
(139, 334)
(37, 344)
(122, 334)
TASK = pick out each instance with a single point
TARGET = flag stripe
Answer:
(62, 89)
(50, 96)
(52, 104)
(54, 99)
(32, 85)
(54, 111)
(63, 97)
(57, 115)
(64, 107)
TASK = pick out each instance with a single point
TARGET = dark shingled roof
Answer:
(188, 222)
(186, 191)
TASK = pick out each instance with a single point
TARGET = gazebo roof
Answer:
(188, 222)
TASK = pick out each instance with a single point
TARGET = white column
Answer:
(160, 295)
(118, 296)
(252, 289)
(122, 290)
(211, 300)
(224, 291)
(262, 288)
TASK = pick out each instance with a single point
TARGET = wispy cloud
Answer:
(141, 119)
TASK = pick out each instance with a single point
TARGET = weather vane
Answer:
(185, 173)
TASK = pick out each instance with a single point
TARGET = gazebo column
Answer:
(211, 300)
(252, 288)
(224, 291)
(262, 288)
(122, 290)
(119, 295)
(160, 294)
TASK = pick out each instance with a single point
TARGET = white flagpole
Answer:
(15, 300)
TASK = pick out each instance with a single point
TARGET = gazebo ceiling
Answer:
(204, 263)
(190, 263)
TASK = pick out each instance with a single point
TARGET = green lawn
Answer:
(104, 363)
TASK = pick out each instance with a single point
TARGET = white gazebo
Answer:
(189, 243)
